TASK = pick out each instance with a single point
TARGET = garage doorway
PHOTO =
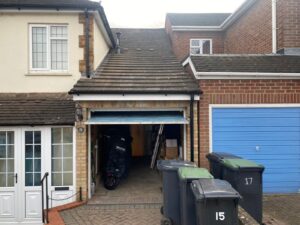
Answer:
(142, 185)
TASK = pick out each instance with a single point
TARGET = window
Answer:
(32, 158)
(200, 46)
(7, 162)
(62, 156)
(49, 47)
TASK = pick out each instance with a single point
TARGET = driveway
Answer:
(283, 208)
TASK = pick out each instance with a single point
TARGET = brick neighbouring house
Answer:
(242, 81)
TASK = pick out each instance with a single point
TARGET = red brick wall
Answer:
(288, 23)
(181, 40)
(241, 92)
(251, 33)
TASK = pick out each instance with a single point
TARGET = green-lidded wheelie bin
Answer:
(216, 202)
(171, 206)
(187, 204)
(246, 177)
(215, 162)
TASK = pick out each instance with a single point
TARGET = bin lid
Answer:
(193, 173)
(241, 164)
(173, 164)
(213, 189)
(218, 156)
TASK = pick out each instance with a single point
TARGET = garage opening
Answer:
(135, 135)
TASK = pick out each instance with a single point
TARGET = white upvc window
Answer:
(48, 48)
(200, 46)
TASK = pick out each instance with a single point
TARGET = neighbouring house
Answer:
(256, 27)
(250, 102)
(45, 49)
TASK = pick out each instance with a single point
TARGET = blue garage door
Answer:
(270, 136)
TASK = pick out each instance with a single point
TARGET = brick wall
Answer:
(241, 92)
(251, 33)
(181, 40)
(82, 138)
(82, 66)
(288, 23)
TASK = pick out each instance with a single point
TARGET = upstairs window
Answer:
(200, 46)
(49, 48)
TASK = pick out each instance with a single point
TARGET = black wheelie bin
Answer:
(216, 202)
(246, 177)
(187, 204)
(215, 162)
(171, 207)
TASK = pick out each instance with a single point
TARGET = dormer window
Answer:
(49, 48)
(200, 46)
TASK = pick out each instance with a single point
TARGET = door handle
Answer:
(16, 176)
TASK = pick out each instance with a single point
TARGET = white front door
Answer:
(21, 158)
(8, 177)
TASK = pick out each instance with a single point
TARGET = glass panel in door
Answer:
(8, 177)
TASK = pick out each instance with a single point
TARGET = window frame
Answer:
(48, 55)
(201, 46)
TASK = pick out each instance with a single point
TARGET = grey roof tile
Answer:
(247, 63)
(145, 65)
(36, 109)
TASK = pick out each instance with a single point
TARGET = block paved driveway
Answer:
(282, 209)
(136, 201)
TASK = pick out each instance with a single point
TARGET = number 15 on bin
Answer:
(220, 216)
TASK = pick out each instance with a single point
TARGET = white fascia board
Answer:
(197, 28)
(244, 75)
(132, 97)
(101, 26)
(190, 62)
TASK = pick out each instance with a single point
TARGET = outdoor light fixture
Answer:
(78, 113)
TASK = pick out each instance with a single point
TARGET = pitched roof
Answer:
(247, 63)
(36, 109)
(197, 19)
(145, 65)
(49, 3)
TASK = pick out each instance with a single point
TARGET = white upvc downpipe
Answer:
(274, 26)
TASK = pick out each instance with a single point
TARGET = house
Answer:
(250, 105)
(73, 78)
(141, 85)
(45, 49)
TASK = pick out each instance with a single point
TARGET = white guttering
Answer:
(274, 26)
(133, 97)
(227, 22)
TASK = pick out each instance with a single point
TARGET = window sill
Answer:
(59, 74)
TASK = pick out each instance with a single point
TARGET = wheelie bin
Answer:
(215, 162)
(171, 207)
(216, 202)
(246, 177)
(187, 206)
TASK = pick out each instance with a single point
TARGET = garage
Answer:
(270, 135)
(146, 137)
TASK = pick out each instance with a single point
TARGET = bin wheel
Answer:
(162, 210)
(166, 221)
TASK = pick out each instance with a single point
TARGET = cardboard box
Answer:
(171, 149)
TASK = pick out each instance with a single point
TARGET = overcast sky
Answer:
(151, 13)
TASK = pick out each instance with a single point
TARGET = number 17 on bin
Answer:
(220, 216)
